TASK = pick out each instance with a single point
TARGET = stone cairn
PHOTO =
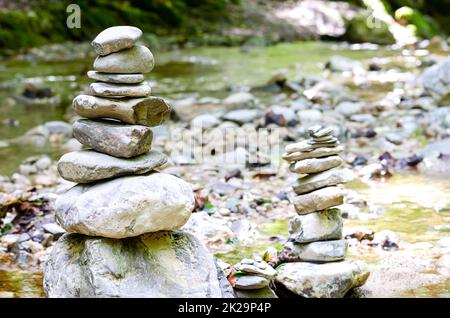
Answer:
(313, 262)
(122, 216)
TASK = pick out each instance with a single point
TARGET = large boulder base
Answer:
(162, 264)
(127, 206)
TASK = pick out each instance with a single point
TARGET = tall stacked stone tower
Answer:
(122, 216)
(315, 250)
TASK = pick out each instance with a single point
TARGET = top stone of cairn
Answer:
(115, 39)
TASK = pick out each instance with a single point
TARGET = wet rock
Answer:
(115, 39)
(322, 251)
(250, 282)
(296, 155)
(342, 64)
(87, 165)
(309, 116)
(163, 264)
(113, 138)
(119, 90)
(116, 78)
(127, 206)
(256, 267)
(348, 109)
(205, 121)
(242, 116)
(265, 292)
(315, 165)
(436, 81)
(149, 111)
(320, 226)
(318, 200)
(324, 179)
(313, 280)
(281, 116)
(240, 100)
(137, 59)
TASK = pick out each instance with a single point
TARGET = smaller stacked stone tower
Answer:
(315, 250)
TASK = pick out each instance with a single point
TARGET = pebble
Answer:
(115, 39)
(119, 90)
(116, 78)
(250, 282)
(291, 155)
(315, 165)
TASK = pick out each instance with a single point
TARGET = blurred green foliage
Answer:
(45, 20)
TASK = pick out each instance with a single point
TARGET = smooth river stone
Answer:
(116, 78)
(329, 280)
(127, 206)
(250, 282)
(320, 226)
(86, 166)
(138, 59)
(150, 111)
(116, 38)
(319, 252)
(323, 179)
(113, 138)
(318, 200)
(119, 90)
(163, 264)
(315, 165)
(316, 153)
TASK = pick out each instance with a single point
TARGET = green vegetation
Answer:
(45, 21)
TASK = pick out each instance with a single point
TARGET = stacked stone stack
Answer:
(252, 275)
(122, 216)
(315, 250)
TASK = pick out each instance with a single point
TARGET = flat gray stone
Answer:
(242, 116)
(323, 179)
(119, 90)
(137, 59)
(150, 111)
(127, 206)
(315, 165)
(295, 155)
(320, 226)
(113, 138)
(115, 38)
(116, 78)
(318, 200)
(320, 252)
(162, 265)
(250, 282)
(86, 166)
(329, 280)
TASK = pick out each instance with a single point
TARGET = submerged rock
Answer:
(162, 264)
(127, 206)
(330, 280)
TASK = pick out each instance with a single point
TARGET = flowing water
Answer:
(415, 207)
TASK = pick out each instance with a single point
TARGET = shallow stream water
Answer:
(415, 207)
